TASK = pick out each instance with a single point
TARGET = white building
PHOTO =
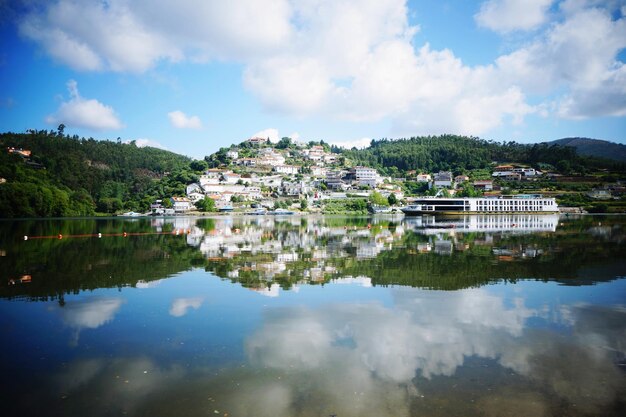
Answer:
(334, 180)
(525, 172)
(253, 192)
(443, 180)
(271, 158)
(286, 169)
(295, 188)
(366, 176)
(193, 188)
(507, 175)
(424, 178)
(257, 140)
(181, 204)
(231, 177)
(317, 171)
(233, 153)
(195, 197)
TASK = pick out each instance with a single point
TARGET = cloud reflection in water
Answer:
(88, 313)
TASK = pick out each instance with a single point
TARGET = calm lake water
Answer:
(314, 316)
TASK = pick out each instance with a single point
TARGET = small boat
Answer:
(281, 212)
(258, 212)
(376, 209)
(131, 214)
(226, 209)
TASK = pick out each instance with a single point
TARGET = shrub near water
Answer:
(352, 205)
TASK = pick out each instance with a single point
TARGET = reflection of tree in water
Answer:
(71, 265)
(263, 252)
(572, 256)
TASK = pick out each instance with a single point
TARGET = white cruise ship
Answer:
(505, 204)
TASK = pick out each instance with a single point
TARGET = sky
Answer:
(192, 76)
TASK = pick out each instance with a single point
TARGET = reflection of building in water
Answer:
(368, 250)
(271, 248)
(287, 257)
(272, 291)
(361, 281)
(424, 247)
(487, 223)
(506, 253)
(443, 247)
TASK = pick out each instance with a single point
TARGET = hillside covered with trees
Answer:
(594, 147)
(462, 153)
(72, 176)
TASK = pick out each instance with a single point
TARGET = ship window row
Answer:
(514, 205)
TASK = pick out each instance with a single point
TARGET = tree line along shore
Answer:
(51, 174)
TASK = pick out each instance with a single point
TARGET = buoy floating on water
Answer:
(25, 237)
(99, 235)
(60, 236)
(125, 234)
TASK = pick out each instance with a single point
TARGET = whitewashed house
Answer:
(286, 169)
(443, 179)
(193, 188)
(181, 204)
(319, 172)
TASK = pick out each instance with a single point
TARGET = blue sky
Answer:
(195, 75)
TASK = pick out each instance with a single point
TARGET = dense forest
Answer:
(594, 147)
(72, 176)
(462, 153)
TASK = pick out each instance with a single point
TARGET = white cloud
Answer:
(270, 133)
(509, 15)
(583, 63)
(355, 60)
(180, 306)
(349, 144)
(607, 98)
(297, 85)
(180, 120)
(121, 35)
(85, 113)
(98, 36)
(141, 143)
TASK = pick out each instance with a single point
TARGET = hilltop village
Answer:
(259, 175)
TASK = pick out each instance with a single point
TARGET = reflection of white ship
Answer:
(486, 223)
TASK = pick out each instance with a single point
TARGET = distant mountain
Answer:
(595, 147)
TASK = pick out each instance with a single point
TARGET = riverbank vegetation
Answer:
(51, 174)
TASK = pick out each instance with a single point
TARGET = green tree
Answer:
(199, 165)
(206, 205)
(109, 205)
(284, 143)
(377, 199)
(392, 199)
